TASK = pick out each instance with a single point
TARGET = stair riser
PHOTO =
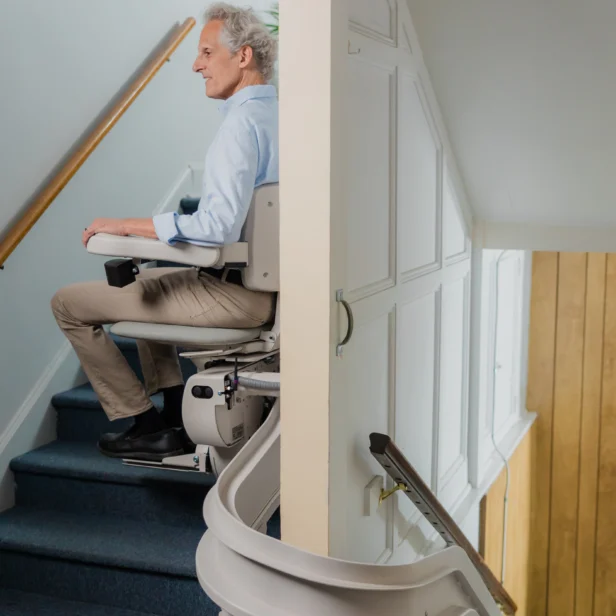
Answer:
(162, 503)
(87, 425)
(131, 590)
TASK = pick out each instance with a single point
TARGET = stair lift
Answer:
(238, 374)
(231, 411)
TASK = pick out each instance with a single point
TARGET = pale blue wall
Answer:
(61, 62)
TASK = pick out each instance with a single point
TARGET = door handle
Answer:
(351, 323)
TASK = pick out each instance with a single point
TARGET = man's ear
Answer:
(246, 56)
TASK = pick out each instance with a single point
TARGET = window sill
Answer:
(495, 464)
(472, 497)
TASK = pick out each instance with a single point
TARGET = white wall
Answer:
(62, 62)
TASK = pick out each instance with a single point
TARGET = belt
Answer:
(233, 276)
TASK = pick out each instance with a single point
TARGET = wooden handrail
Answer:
(60, 179)
(408, 481)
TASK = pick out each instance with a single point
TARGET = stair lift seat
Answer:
(185, 336)
(223, 404)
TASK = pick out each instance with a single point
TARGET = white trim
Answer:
(514, 236)
(459, 189)
(527, 278)
(33, 415)
(475, 381)
(508, 445)
(392, 39)
(33, 397)
(495, 465)
(466, 253)
(182, 187)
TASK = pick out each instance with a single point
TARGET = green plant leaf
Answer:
(274, 12)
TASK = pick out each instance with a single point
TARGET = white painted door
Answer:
(403, 256)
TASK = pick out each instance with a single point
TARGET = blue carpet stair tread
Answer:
(101, 540)
(18, 603)
(84, 461)
(75, 477)
(90, 536)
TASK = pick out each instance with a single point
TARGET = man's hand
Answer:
(141, 227)
(113, 226)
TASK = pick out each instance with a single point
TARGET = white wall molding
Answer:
(514, 236)
(34, 423)
(364, 24)
(449, 160)
(34, 396)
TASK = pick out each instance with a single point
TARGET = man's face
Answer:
(220, 69)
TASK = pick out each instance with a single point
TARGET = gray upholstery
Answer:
(185, 335)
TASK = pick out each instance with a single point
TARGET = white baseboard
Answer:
(34, 424)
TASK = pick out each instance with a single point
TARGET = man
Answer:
(236, 57)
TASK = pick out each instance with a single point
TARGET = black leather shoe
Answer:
(150, 447)
(187, 444)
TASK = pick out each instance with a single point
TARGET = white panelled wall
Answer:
(408, 282)
(408, 270)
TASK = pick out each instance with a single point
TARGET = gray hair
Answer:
(243, 27)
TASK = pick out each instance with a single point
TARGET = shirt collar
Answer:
(246, 94)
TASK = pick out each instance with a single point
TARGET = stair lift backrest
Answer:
(261, 233)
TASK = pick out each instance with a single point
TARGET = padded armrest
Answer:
(155, 250)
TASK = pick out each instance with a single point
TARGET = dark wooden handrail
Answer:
(408, 481)
(50, 190)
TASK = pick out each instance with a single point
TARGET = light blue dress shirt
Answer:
(243, 155)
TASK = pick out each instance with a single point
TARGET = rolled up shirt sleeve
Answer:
(165, 227)
(228, 184)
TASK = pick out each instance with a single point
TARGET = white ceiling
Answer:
(528, 93)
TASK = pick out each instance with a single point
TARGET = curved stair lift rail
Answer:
(271, 578)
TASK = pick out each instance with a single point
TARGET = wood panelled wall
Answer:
(518, 525)
(572, 387)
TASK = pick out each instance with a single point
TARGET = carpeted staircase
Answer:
(90, 536)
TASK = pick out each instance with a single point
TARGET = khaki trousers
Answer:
(171, 296)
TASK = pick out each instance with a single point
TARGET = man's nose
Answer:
(197, 66)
